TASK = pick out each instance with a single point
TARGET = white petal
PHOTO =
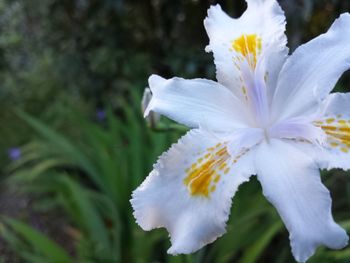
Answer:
(298, 128)
(197, 102)
(261, 29)
(336, 124)
(190, 189)
(291, 182)
(311, 72)
(243, 139)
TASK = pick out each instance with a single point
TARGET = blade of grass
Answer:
(40, 242)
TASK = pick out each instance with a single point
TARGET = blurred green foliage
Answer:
(60, 61)
(92, 180)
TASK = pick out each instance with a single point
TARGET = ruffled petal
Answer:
(312, 71)
(291, 182)
(336, 124)
(197, 102)
(189, 191)
(240, 44)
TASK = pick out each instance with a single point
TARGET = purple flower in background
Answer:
(100, 114)
(14, 153)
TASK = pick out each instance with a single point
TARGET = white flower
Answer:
(268, 115)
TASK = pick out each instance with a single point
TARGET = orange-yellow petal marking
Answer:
(203, 175)
(249, 46)
(338, 132)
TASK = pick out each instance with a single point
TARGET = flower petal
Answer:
(242, 139)
(233, 41)
(311, 72)
(336, 124)
(291, 182)
(189, 191)
(298, 128)
(197, 102)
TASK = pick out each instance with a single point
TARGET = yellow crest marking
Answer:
(249, 46)
(203, 175)
(338, 132)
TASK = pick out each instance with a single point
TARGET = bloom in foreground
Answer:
(270, 115)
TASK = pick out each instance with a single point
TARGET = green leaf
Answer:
(77, 201)
(45, 246)
(253, 252)
(63, 146)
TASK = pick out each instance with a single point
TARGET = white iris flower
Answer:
(270, 115)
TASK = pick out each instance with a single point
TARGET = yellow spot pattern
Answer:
(203, 175)
(338, 132)
(249, 46)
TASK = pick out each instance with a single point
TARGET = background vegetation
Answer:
(73, 144)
